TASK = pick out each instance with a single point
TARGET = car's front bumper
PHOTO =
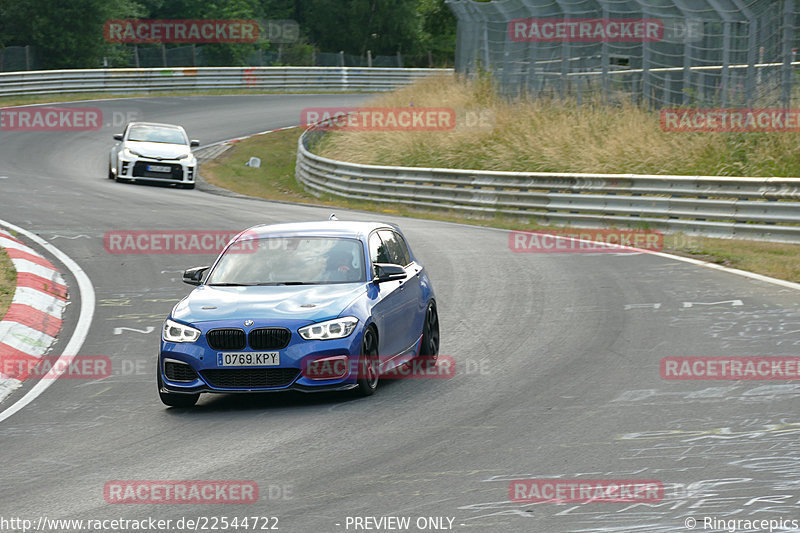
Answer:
(290, 374)
(136, 169)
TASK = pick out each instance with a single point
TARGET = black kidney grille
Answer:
(250, 378)
(179, 371)
(226, 339)
(269, 338)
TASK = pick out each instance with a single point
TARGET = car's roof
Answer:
(159, 124)
(324, 228)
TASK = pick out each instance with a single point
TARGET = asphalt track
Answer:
(563, 355)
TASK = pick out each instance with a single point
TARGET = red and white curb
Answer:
(33, 319)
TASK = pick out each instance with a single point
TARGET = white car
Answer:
(148, 151)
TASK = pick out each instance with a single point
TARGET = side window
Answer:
(403, 249)
(396, 247)
(377, 250)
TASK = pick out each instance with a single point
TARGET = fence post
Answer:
(646, 74)
(27, 57)
(786, 69)
(399, 59)
(369, 58)
(604, 60)
(750, 79)
(341, 58)
(136, 56)
(667, 100)
(726, 62)
(687, 64)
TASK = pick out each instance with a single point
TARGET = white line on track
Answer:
(87, 296)
(744, 273)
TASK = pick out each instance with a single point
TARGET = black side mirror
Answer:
(194, 276)
(194, 143)
(388, 272)
(117, 136)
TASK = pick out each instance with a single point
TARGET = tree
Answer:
(65, 35)
(355, 26)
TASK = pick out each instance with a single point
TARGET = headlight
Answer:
(338, 328)
(175, 332)
(184, 156)
(127, 152)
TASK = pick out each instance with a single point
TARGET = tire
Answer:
(110, 173)
(186, 185)
(430, 334)
(176, 400)
(121, 180)
(368, 365)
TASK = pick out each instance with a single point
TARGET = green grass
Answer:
(552, 135)
(8, 282)
(275, 180)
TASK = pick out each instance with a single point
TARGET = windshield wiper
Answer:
(265, 283)
(262, 284)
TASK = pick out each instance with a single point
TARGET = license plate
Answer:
(158, 168)
(248, 358)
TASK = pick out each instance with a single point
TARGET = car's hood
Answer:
(158, 150)
(303, 302)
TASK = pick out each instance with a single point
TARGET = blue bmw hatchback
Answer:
(313, 306)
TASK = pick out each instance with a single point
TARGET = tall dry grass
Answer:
(556, 135)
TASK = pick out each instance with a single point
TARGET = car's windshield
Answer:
(291, 260)
(156, 134)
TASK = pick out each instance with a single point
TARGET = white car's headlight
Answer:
(338, 328)
(127, 152)
(184, 156)
(175, 332)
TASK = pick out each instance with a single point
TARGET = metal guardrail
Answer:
(716, 206)
(205, 78)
